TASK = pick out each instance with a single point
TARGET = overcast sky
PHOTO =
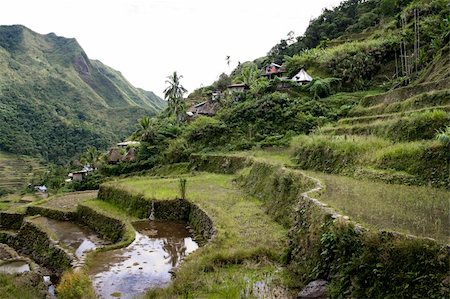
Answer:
(149, 39)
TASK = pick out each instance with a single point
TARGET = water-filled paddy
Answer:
(77, 238)
(158, 248)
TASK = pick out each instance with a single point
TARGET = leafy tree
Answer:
(248, 74)
(174, 95)
(320, 88)
(91, 156)
(223, 82)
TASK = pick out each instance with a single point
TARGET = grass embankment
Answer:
(417, 210)
(248, 246)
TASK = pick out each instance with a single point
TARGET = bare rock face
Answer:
(315, 289)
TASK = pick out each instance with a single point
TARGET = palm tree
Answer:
(174, 95)
(91, 157)
(248, 75)
(146, 131)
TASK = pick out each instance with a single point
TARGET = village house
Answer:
(79, 176)
(126, 144)
(206, 108)
(238, 87)
(273, 70)
(302, 77)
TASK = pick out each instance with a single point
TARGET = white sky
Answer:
(149, 39)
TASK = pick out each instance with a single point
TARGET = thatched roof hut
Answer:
(114, 156)
(130, 156)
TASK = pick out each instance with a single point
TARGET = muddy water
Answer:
(14, 267)
(78, 238)
(146, 263)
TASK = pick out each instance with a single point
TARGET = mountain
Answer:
(55, 101)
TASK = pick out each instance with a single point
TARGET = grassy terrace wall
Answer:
(178, 209)
(34, 242)
(413, 163)
(217, 163)
(323, 244)
(52, 213)
(404, 93)
(108, 227)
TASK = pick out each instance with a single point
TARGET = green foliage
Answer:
(91, 182)
(353, 62)
(206, 132)
(443, 135)
(389, 267)
(248, 74)
(11, 287)
(321, 88)
(75, 285)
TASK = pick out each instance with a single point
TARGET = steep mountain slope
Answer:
(54, 101)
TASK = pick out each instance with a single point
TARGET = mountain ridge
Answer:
(49, 87)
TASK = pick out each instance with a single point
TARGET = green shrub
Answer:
(75, 285)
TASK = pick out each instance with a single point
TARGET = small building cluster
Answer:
(79, 176)
(125, 151)
(272, 71)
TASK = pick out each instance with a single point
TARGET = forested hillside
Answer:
(377, 100)
(55, 101)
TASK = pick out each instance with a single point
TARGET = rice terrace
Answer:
(319, 170)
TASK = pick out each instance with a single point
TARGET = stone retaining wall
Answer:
(52, 213)
(32, 241)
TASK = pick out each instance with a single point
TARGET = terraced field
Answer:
(15, 171)
(388, 137)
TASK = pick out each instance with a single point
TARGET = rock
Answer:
(314, 289)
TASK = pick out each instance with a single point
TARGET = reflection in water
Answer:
(146, 263)
(79, 238)
(14, 267)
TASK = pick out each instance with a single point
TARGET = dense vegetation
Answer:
(55, 102)
(363, 87)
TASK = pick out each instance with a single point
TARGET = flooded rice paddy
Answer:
(158, 248)
(75, 237)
